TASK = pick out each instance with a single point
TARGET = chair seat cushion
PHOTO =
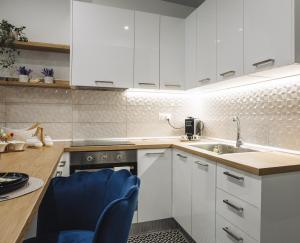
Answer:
(75, 236)
(71, 236)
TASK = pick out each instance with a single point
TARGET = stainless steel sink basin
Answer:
(222, 148)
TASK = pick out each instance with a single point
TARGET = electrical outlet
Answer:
(164, 116)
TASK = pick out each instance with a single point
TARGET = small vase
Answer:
(48, 80)
(23, 78)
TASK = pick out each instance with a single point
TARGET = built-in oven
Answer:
(92, 161)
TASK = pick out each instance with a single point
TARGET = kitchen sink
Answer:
(222, 148)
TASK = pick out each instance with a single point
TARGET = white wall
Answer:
(46, 20)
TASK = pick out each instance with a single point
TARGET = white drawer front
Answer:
(240, 213)
(241, 184)
(233, 234)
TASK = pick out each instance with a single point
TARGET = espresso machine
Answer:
(193, 126)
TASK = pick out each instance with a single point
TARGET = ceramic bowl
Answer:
(16, 145)
(34, 142)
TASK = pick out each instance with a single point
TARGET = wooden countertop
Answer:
(16, 214)
(258, 163)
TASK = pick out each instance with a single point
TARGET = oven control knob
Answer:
(89, 158)
(104, 156)
(119, 157)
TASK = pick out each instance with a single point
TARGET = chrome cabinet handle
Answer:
(62, 164)
(172, 85)
(157, 153)
(229, 232)
(150, 84)
(271, 61)
(204, 80)
(58, 173)
(181, 156)
(233, 176)
(239, 209)
(201, 164)
(229, 73)
(104, 82)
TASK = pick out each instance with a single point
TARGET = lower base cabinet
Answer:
(155, 196)
(203, 200)
(182, 190)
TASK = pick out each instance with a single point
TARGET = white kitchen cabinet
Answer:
(230, 39)
(172, 53)
(191, 50)
(63, 167)
(268, 34)
(203, 200)
(146, 52)
(206, 42)
(182, 190)
(155, 196)
(102, 46)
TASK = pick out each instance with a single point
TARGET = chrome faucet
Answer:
(239, 141)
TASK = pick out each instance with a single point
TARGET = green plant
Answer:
(8, 35)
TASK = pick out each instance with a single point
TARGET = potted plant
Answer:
(24, 74)
(48, 75)
(9, 34)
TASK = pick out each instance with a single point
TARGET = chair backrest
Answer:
(115, 221)
(77, 202)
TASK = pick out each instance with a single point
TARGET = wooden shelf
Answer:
(41, 46)
(62, 84)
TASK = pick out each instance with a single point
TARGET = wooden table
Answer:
(16, 214)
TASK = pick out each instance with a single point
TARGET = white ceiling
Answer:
(190, 3)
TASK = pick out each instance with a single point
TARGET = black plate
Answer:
(18, 181)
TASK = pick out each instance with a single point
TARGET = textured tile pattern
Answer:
(269, 112)
(83, 114)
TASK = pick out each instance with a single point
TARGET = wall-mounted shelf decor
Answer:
(59, 84)
(41, 46)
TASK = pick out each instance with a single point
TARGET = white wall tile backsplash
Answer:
(84, 114)
(269, 112)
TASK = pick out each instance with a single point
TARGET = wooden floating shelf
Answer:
(41, 46)
(61, 84)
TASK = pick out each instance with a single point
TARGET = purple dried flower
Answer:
(23, 71)
(48, 72)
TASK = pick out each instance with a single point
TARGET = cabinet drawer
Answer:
(240, 184)
(239, 212)
(227, 233)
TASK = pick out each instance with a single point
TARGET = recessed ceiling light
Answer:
(126, 27)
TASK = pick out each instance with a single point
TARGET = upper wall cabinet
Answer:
(172, 53)
(146, 60)
(206, 42)
(230, 43)
(268, 34)
(191, 51)
(103, 45)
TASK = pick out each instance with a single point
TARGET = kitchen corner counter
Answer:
(257, 163)
(16, 214)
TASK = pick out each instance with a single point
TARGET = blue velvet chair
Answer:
(88, 207)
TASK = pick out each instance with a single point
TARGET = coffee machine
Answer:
(193, 126)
